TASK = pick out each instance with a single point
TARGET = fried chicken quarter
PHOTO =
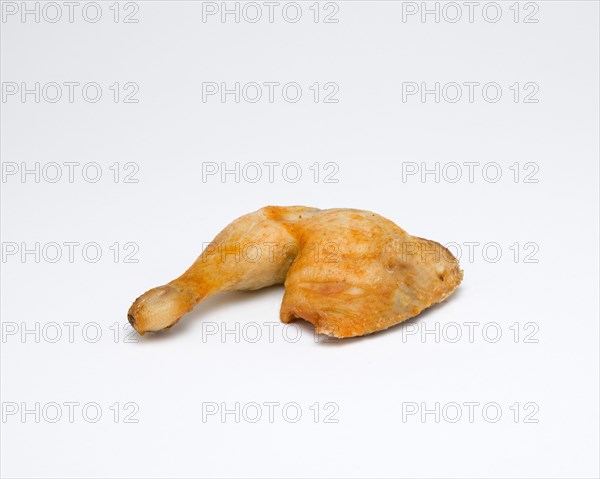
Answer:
(348, 272)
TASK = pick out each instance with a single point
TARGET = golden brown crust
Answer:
(348, 272)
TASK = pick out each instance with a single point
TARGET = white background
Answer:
(170, 212)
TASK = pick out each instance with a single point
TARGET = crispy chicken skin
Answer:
(348, 272)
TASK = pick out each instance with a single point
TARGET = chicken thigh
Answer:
(348, 272)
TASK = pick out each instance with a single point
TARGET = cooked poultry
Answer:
(348, 272)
